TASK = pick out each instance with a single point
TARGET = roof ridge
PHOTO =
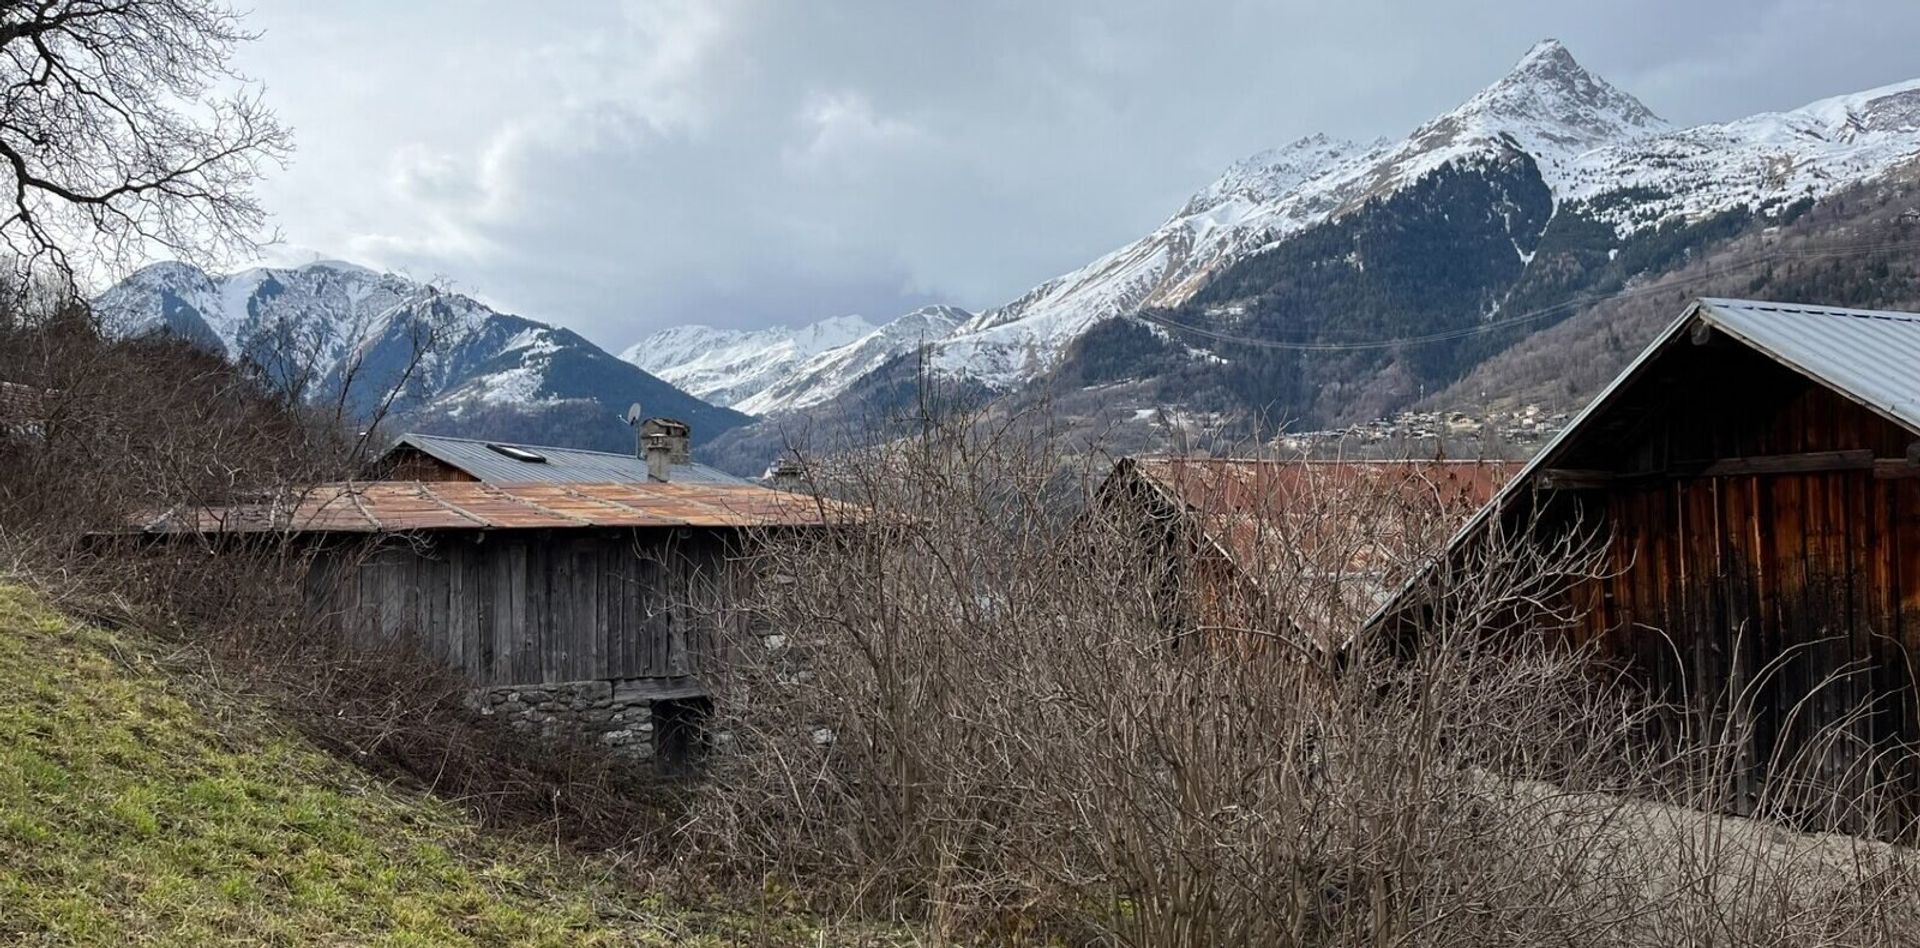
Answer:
(1813, 309)
(515, 444)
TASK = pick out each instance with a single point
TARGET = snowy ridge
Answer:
(730, 366)
(785, 368)
(831, 372)
(322, 310)
(337, 330)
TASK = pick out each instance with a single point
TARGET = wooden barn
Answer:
(1306, 549)
(572, 607)
(1755, 478)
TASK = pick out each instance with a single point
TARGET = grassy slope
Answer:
(131, 814)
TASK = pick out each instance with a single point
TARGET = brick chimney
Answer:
(659, 454)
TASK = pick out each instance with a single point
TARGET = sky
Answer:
(622, 167)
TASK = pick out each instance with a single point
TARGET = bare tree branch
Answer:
(125, 133)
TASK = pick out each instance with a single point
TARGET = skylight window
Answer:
(517, 453)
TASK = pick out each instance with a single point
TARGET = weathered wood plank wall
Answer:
(1797, 590)
(528, 607)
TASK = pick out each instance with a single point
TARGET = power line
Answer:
(1664, 286)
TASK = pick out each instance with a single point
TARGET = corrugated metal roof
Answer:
(398, 506)
(562, 465)
(1869, 356)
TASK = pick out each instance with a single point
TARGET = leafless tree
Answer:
(125, 130)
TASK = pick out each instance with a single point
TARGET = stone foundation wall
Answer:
(617, 715)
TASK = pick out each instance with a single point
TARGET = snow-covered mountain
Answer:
(331, 330)
(1591, 144)
(312, 316)
(1596, 149)
(831, 372)
(785, 368)
(729, 366)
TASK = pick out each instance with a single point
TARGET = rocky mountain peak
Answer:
(1550, 105)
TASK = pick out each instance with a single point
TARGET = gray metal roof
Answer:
(562, 465)
(1869, 356)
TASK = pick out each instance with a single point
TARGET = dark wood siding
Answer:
(523, 607)
(1765, 561)
(406, 463)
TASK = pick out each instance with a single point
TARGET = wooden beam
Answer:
(1894, 467)
(1812, 462)
(1561, 478)
(1807, 463)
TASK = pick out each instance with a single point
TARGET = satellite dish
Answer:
(633, 414)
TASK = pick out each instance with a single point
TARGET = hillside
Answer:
(136, 808)
(1855, 249)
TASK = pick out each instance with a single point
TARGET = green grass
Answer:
(137, 810)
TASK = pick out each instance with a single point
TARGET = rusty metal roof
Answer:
(556, 464)
(1354, 529)
(1232, 485)
(405, 506)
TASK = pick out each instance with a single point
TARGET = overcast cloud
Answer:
(621, 167)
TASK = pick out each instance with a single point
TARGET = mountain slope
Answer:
(332, 331)
(828, 374)
(1547, 107)
(1594, 147)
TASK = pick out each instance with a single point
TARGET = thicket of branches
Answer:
(981, 711)
(992, 703)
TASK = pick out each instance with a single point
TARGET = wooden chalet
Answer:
(1755, 476)
(1303, 549)
(576, 606)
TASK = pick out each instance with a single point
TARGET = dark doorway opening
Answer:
(679, 733)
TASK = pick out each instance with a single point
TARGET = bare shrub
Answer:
(981, 707)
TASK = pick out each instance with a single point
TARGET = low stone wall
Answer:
(617, 715)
